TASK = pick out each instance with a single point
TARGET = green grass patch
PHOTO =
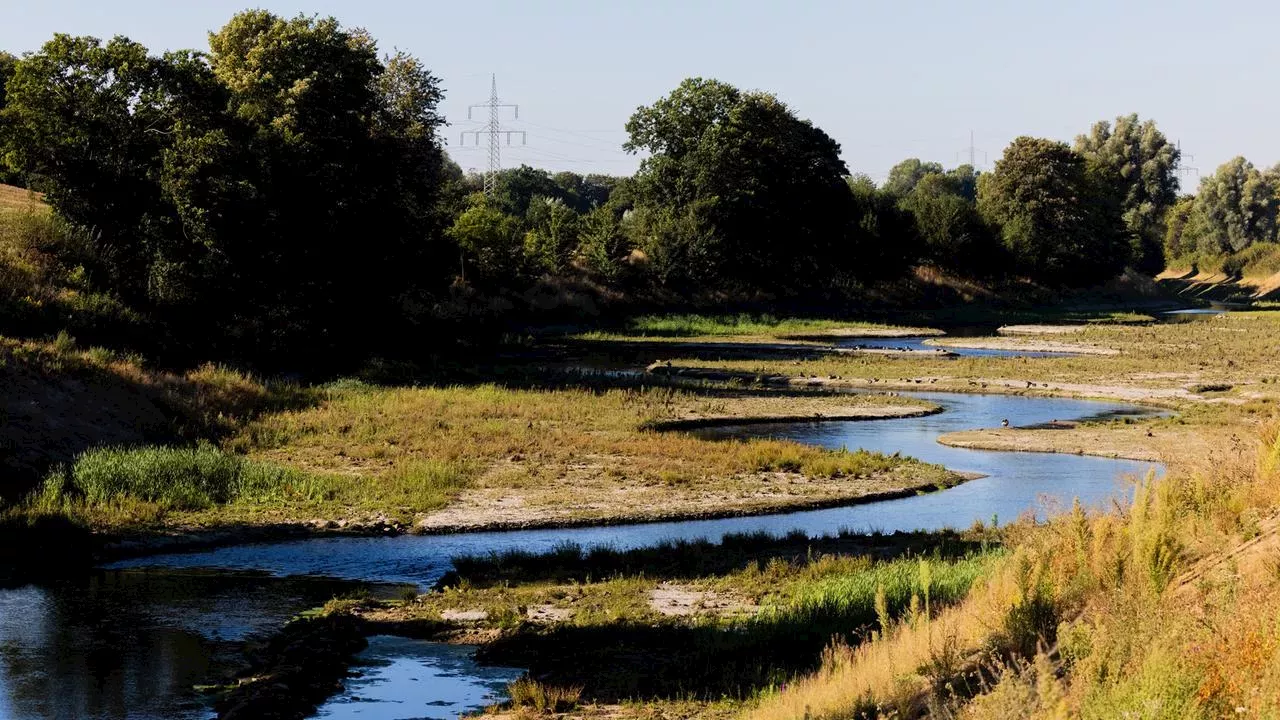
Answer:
(687, 326)
(910, 586)
(176, 478)
(115, 486)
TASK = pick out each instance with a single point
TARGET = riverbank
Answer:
(372, 460)
(700, 621)
(549, 621)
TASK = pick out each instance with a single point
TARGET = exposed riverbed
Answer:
(131, 643)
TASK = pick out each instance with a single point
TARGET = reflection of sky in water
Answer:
(399, 679)
(917, 344)
(130, 644)
(1015, 482)
(1195, 311)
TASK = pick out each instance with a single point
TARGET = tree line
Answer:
(286, 192)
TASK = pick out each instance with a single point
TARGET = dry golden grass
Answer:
(553, 456)
(16, 198)
(1165, 610)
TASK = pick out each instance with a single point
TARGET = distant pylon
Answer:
(493, 129)
(973, 154)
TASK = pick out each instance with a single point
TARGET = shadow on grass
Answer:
(688, 559)
(630, 661)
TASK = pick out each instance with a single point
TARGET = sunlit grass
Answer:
(697, 326)
(121, 486)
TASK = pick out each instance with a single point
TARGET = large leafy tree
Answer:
(86, 122)
(736, 189)
(1141, 166)
(491, 242)
(552, 234)
(1055, 219)
(1235, 208)
(276, 193)
(904, 176)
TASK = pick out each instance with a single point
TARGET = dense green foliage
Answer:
(737, 188)
(1235, 209)
(1055, 217)
(285, 195)
(1140, 166)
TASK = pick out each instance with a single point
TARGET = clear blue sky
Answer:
(888, 80)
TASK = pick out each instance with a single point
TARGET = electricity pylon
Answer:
(493, 129)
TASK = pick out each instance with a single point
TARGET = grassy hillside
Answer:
(16, 198)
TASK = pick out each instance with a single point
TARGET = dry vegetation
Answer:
(1219, 375)
(567, 456)
(1165, 610)
(16, 198)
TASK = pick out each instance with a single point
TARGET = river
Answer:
(131, 639)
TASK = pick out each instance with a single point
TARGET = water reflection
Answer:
(918, 344)
(133, 644)
(403, 679)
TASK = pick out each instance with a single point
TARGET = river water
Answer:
(131, 639)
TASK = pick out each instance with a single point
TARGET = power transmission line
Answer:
(973, 153)
(493, 129)
(1186, 170)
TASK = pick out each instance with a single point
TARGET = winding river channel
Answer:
(130, 640)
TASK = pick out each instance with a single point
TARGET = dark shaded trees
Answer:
(737, 191)
(1060, 223)
(272, 195)
(952, 232)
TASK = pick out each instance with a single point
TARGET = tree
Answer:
(584, 193)
(882, 234)
(1143, 169)
(552, 235)
(223, 192)
(748, 194)
(1054, 218)
(950, 227)
(517, 188)
(86, 123)
(8, 66)
(492, 241)
(963, 181)
(603, 245)
(1183, 228)
(904, 176)
(1237, 207)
